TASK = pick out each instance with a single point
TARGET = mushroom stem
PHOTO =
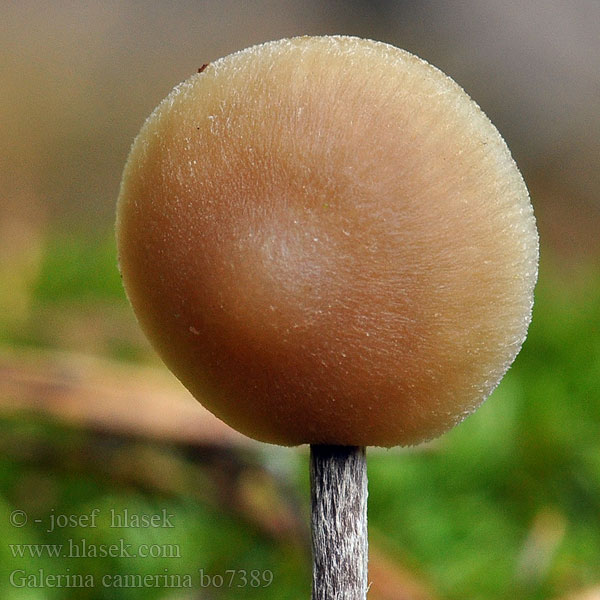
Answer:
(338, 480)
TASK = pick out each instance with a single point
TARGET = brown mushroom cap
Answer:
(327, 241)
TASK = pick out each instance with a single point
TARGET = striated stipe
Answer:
(338, 478)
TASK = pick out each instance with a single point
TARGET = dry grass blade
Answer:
(103, 395)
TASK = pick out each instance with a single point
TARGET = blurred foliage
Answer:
(504, 506)
(77, 267)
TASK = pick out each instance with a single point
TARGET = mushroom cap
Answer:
(328, 242)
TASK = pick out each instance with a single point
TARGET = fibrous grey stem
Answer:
(338, 479)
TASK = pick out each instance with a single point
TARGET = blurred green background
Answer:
(507, 505)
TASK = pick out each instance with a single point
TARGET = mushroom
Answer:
(328, 243)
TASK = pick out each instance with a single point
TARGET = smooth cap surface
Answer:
(327, 241)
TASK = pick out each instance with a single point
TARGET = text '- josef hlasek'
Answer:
(117, 519)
